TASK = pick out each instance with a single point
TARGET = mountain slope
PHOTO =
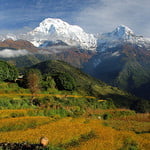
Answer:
(22, 53)
(123, 60)
(87, 85)
(18, 44)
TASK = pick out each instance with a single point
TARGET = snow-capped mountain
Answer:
(56, 30)
(122, 34)
(53, 31)
(111, 44)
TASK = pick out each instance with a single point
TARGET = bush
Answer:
(107, 116)
(48, 82)
(16, 114)
(129, 144)
(65, 81)
(6, 103)
(7, 72)
(123, 113)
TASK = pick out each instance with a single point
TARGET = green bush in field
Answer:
(123, 113)
(55, 112)
(107, 116)
(7, 103)
(16, 114)
(35, 112)
(130, 144)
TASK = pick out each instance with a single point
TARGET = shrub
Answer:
(14, 115)
(48, 82)
(7, 103)
(7, 72)
(107, 116)
(65, 81)
(130, 144)
(123, 113)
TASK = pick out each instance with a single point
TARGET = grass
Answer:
(22, 123)
(135, 126)
(14, 113)
(138, 123)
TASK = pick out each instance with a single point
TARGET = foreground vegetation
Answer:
(78, 133)
(71, 122)
(73, 110)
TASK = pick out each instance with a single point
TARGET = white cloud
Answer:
(105, 15)
(8, 53)
(54, 49)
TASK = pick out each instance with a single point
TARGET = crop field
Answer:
(82, 133)
(70, 122)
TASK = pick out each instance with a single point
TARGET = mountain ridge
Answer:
(121, 35)
(57, 31)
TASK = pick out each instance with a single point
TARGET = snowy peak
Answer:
(121, 35)
(51, 25)
(121, 32)
(54, 30)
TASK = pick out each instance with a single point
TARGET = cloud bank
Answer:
(9, 53)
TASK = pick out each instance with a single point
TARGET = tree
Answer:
(64, 81)
(7, 71)
(33, 79)
(48, 82)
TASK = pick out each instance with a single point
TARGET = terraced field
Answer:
(83, 133)
(70, 122)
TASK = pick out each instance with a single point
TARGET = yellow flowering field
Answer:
(143, 117)
(138, 127)
(22, 123)
(139, 123)
(60, 131)
(69, 129)
(7, 113)
(111, 139)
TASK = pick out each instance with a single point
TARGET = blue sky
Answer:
(94, 16)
